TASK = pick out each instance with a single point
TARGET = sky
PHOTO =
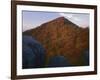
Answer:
(33, 19)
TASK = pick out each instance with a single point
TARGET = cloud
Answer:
(66, 15)
(82, 20)
(70, 16)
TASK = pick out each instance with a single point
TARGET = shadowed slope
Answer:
(33, 53)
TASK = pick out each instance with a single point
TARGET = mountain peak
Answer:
(63, 20)
(60, 19)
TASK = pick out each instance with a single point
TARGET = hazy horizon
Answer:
(33, 19)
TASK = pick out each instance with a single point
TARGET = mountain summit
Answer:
(61, 37)
(62, 21)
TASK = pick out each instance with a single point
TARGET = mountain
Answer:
(61, 37)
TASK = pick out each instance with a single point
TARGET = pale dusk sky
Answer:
(32, 19)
